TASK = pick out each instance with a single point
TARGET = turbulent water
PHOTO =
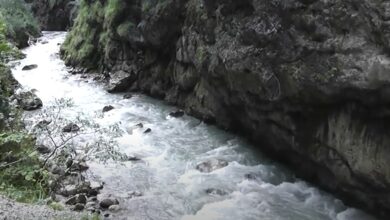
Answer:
(172, 188)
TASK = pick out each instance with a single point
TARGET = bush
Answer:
(21, 176)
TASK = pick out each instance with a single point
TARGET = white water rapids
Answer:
(172, 188)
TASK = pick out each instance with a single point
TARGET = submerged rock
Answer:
(108, 108)
(177, 114)
(213, 191)
(71, 127)
(211, 165)
(30, 67)
(128, 96)
(148, 131)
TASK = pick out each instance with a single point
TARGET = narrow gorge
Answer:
(261, 101)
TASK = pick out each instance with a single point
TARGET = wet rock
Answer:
(177, 114)
(133, 194)
(58, 170)
(80, 198)
(128, 96)
(27, 100)
(107, 202)
(92, 204)
(148, 131)
(29, 67)
(106, 215)
(78, 166)
(83, 76)
(211, 165)
(71, 127)
(108, 108)
(43, 123)
(42, 149)
(140, 125)
(119, 81)
(78, 207)
(114, 208)
(133, 158)
(250, 176)
(218, 192)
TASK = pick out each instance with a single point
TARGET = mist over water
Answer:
(167, 177)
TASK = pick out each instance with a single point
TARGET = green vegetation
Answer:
(21, 174)
(20, 22)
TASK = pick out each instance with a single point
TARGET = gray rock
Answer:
(108, 108)
(211, 165)
(119, 81)
(71, 127)
(28, 101)
(177, 114)
(30, 67)
(78, 207)
(128, 96)
(80, 198)
(42, 149)
(107, 202)
(114, 208)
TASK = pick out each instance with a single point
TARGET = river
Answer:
(166, 175)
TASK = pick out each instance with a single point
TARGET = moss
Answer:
(123, 30)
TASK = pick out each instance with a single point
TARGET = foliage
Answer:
(21, 175)
(20, 22)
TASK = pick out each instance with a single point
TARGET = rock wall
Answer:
(54, 15)
(307, 80)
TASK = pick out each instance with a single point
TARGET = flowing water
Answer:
(172, 188)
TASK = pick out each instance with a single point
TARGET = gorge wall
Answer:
(307, 80)
(54, 15)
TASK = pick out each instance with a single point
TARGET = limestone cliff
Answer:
(307, 80)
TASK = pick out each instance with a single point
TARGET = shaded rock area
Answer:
(306, 80)
(27, 100)
(54, 15)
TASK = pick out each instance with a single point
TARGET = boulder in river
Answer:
(27, 100)
(211, 165)
(127, 96)
(71, 127)
(119, 81)
(213, 191)
(177, 114)
(108, 108)
(30, 67)
(148, 131)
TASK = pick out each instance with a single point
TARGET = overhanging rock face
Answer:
(306, 80)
